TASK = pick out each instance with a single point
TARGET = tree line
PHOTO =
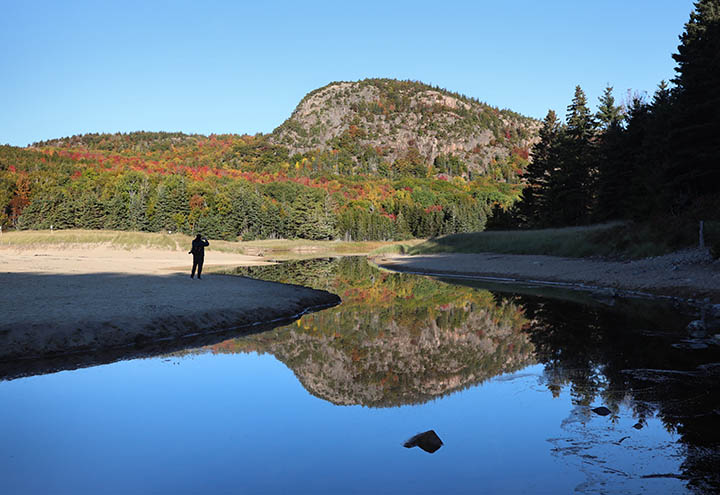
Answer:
(41, 188)
(652, 158)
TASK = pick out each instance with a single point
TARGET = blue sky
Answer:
(233, 67)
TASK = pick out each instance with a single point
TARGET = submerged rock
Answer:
(601, 411)
(697, 328)
(428, 441)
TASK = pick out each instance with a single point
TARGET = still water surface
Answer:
(507, 379)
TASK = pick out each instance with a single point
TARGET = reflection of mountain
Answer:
(399, 339)
(396, 339)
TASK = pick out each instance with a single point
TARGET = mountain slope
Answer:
(394, 118)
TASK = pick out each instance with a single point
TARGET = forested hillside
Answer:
(231, 186)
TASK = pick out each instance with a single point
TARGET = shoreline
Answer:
(73, 359)
(690, 275)
(89, 300)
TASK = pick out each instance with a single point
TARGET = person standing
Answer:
(198, 252)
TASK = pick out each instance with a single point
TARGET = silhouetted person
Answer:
(198, 252)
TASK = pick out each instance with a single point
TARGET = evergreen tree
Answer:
(90, 212)
(572, 182)
(580, 125)
(694, 168)
(612, 180)
(172, 206)
(310, 218)
(608, 113)
(532, 208)
(653, 194)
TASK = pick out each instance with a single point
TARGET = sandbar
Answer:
(84, 299)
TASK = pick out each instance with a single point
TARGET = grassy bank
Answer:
(276, 248)
(613, 240)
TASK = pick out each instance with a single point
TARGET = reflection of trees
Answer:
(400, 339)
(396, 339)
(630, 359)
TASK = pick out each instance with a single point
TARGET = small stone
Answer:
(697, 328)
(601, 411)
(638, 426)
(428, 441)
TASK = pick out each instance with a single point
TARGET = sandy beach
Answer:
(85, 299)
(688, 274)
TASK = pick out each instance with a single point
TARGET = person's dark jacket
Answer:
(198, 247)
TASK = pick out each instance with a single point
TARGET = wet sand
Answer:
(87, 299)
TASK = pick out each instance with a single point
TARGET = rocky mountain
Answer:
(396, 338)
(394, 118)
(410, 363)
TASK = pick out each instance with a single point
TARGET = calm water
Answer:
(508, 380)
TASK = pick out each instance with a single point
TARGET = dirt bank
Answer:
(688, 274)
(70, 300)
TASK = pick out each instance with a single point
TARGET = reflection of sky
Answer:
(244, 424)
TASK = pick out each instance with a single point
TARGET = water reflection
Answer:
(636, 362)
(401, 339)
(396, 339)
(643, 413)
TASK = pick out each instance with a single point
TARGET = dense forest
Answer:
(652, 159)
(237, 186)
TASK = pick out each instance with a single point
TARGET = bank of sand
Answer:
(59, 300)
(688, 274)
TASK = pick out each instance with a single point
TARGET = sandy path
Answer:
(59, 300)
(688, 274)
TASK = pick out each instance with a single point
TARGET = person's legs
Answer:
(199, 266)
(195, 265)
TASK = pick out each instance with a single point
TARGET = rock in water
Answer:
(428, 441)
(697, 329)
(602, 411)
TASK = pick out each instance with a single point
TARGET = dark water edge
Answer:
(141, 349)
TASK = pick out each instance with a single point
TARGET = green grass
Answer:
(117, 239)
(301, 248)
(612, 240)
(395, 248)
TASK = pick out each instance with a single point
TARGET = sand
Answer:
(689, 275)
(105, 259)
(59, 301)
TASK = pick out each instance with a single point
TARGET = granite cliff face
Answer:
(395, 118)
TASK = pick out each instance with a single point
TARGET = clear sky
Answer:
(73, 67)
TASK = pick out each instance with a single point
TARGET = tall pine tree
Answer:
(608, 113)
(532, 209)
(572, 182)
(612, 179)
(694, 169)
